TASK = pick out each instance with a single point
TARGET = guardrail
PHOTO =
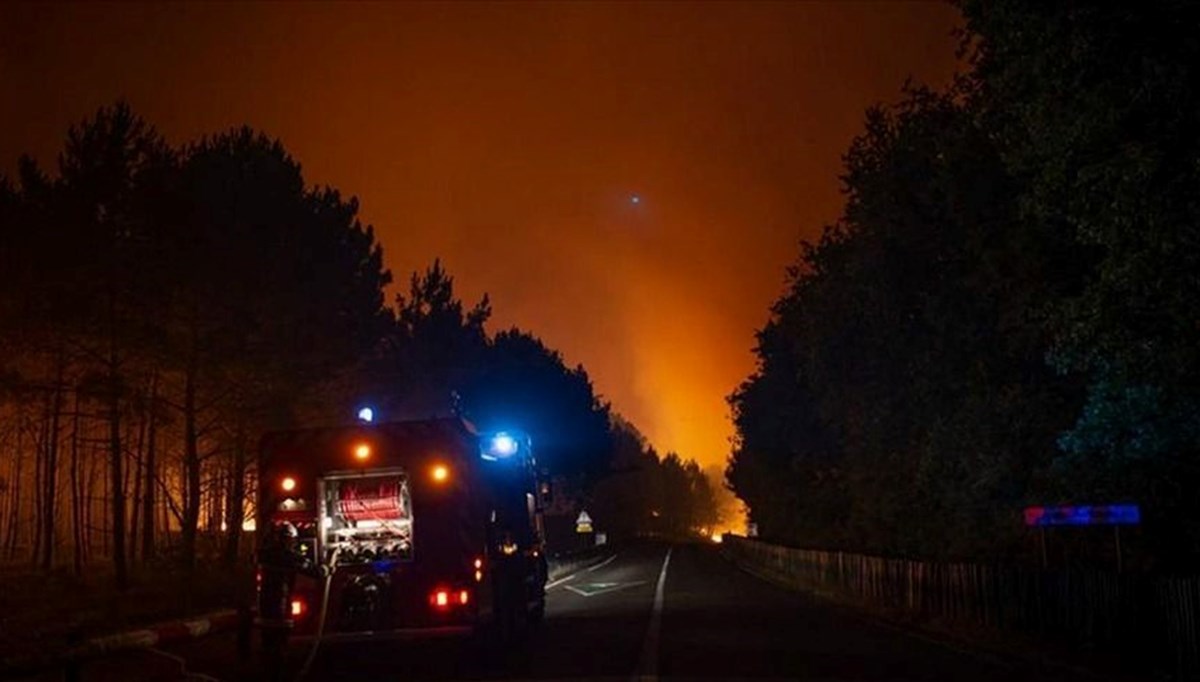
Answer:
(1152, 621)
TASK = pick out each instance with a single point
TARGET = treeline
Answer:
(438, 359)
(1005, 314)
(649, 494)
(161, 307)
(443, 356)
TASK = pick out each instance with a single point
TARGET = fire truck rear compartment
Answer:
(367, 518)
(379, 583)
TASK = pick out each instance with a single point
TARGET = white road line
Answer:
(602, 564)
(610, 587)
(556, 583)
(647, 670)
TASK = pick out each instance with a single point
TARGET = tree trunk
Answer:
(235, 501)
(39, 491)
(14, 518)
(77, 529)
(89, 508)
(52, 471)
(148, 465)
(191, 468)
(136, 500)
(117, 478)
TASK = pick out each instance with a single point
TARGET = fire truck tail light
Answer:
(440, 598)
(463, 596)
(298, 608)
(478, 563)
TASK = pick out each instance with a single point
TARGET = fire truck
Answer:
(404, 527)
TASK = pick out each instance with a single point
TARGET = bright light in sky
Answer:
(635, 199)
(366, 414)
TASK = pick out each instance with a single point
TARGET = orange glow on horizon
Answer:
(528, 131)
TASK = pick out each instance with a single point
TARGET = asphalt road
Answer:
(639, 615)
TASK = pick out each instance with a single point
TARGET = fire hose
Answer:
(327, 570)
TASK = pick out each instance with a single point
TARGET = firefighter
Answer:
(280, 561)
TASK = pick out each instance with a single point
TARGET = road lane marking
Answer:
(560, 581)
(647, 670)
(593, 589)
(556, 583)
(602, 564)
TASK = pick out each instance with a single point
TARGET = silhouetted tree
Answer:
(1097, 109)
(433, 350)
(112, 171)
(522, 383)
(212, 282)
(439, 360)
(908, 336)
(278, 287)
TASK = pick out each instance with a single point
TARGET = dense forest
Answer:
(161, 307)
(1005, 313)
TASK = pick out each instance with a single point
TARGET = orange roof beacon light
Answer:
(440, 473)
(362, 451)
(288, 484)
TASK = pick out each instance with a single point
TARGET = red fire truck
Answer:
(411, 527)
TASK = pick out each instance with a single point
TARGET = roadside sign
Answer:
(583, 524)
(1084, 515)
(1115, 515)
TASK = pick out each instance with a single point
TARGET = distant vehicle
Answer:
(411, 527)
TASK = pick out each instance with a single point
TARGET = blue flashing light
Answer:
(366, 414)
(500, 445)
(504, 444)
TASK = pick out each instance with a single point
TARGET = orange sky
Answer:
(508, 140)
